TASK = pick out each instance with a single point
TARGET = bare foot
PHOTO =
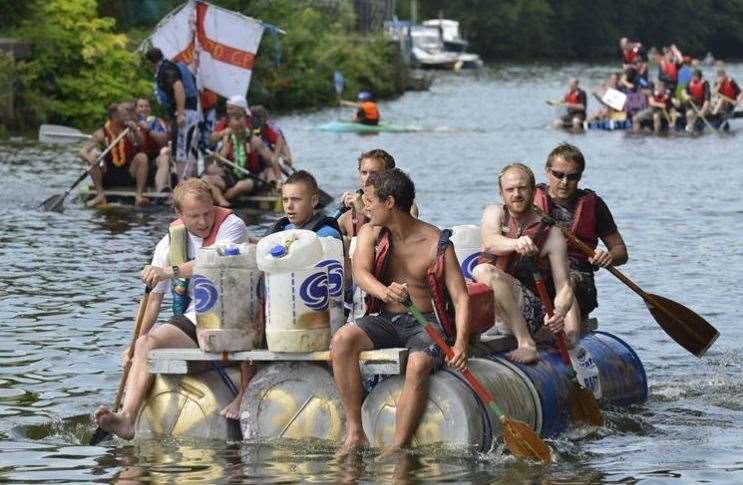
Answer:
(141, 201)
(99, 199)
(232, 411)
(352, 443)
(390, 452)
(524, 355)
(116, 423)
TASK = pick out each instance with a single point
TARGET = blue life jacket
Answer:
(189, 85)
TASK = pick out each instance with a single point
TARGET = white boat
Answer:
(428, 50)
(448, 31)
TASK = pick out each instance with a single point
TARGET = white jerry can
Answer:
(467, 241)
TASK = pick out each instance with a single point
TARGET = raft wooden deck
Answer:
(175, 361)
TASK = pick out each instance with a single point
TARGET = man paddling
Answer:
(511, 233)
(199, 224)
(154, 135)
(270, 134)
(588, 217)
(367, 110)
(125, 165)
(729, 94)
(576, 103)
(393, 257)
(697, 95)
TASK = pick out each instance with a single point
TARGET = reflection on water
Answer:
(68, 290)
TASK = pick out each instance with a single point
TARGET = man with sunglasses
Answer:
(588, 217)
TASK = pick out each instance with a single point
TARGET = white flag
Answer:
(227, 43)
(175, 35)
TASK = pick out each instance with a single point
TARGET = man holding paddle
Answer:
(199, 224)
(124, 165)
(589, 218)
(512, 234)
(399, 257)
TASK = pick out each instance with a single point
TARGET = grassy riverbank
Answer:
(80, 62)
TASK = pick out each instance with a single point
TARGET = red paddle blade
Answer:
(523, 442)
(683, 325)
(583, 406)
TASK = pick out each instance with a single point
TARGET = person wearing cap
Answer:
(234, 105)
(367, 110)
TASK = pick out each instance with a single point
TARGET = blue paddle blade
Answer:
(338, 81)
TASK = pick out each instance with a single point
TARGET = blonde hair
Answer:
(195, 187)
(519, 166)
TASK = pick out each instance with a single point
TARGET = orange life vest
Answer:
(573, 97)
(696, 90)
(123, 152)
(370, 110)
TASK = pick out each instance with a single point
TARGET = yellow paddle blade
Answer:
(523, 442)
(583, 406)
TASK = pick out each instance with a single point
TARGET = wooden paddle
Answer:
(56, 202)
(683, 325)
(259, 182)
(581, 401)
(100, 434)
(58, 134)
(699, 113)
(520, 439)
(324, 198)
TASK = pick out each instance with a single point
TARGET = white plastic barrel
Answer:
(332, 259)
(297, 311)
(229, 316)
(358, 305)
(467, 241)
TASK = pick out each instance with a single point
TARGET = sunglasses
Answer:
(571, 177)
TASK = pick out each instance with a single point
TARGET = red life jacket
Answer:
(661, 98)
(220, 214)
(573, 97)
(729, 89)
(371, 111)
(629, 56)
(669, 70)
(584, 218)
(253, 163)
(123, 152)
(696, 90)
(435, 278)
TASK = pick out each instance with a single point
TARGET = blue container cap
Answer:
(278, 251)
(231, 251)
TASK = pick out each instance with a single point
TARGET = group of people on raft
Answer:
(145, 150)
(678, 98)
(399, 258)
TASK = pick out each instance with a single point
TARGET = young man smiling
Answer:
(587, 216)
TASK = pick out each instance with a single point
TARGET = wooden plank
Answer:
(175, 361)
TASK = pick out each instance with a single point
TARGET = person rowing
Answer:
(512, 234)
(154, 135)
(199, 224)
(576, 103)
(659, 106)
(253, 161)
(367, 110)
(270, 134)
(232, 106)
(729, 94)
(124, 165)
(587, 216)
(393, 258)
(697, 96)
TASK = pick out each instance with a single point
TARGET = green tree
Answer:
(79, 64)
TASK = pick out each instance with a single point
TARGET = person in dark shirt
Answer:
(576, 104)
(563, 200)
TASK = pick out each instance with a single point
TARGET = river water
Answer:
(68, 289)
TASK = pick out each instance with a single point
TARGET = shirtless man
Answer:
(511, 232)
(413, 248)
(199, 224)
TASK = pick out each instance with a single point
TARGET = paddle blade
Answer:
(338, 83)
(523, 442)
(60, 134)
(583, 406)
(683, 325)
(54, 203)
(99, 435)
(324, 198)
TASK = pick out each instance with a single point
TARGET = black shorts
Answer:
(387, 330)
(584, 289)
(568, 118)
(118, 176)
(184, 325)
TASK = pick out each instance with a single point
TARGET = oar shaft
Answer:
(137, 329)
(237, 167)
(550, 310)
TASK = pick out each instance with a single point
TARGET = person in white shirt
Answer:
(200, 224)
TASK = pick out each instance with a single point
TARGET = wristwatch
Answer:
(175, 271)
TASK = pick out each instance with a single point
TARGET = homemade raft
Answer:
(293, 395)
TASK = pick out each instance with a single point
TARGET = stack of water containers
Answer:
(228, 305)
(304, 289)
